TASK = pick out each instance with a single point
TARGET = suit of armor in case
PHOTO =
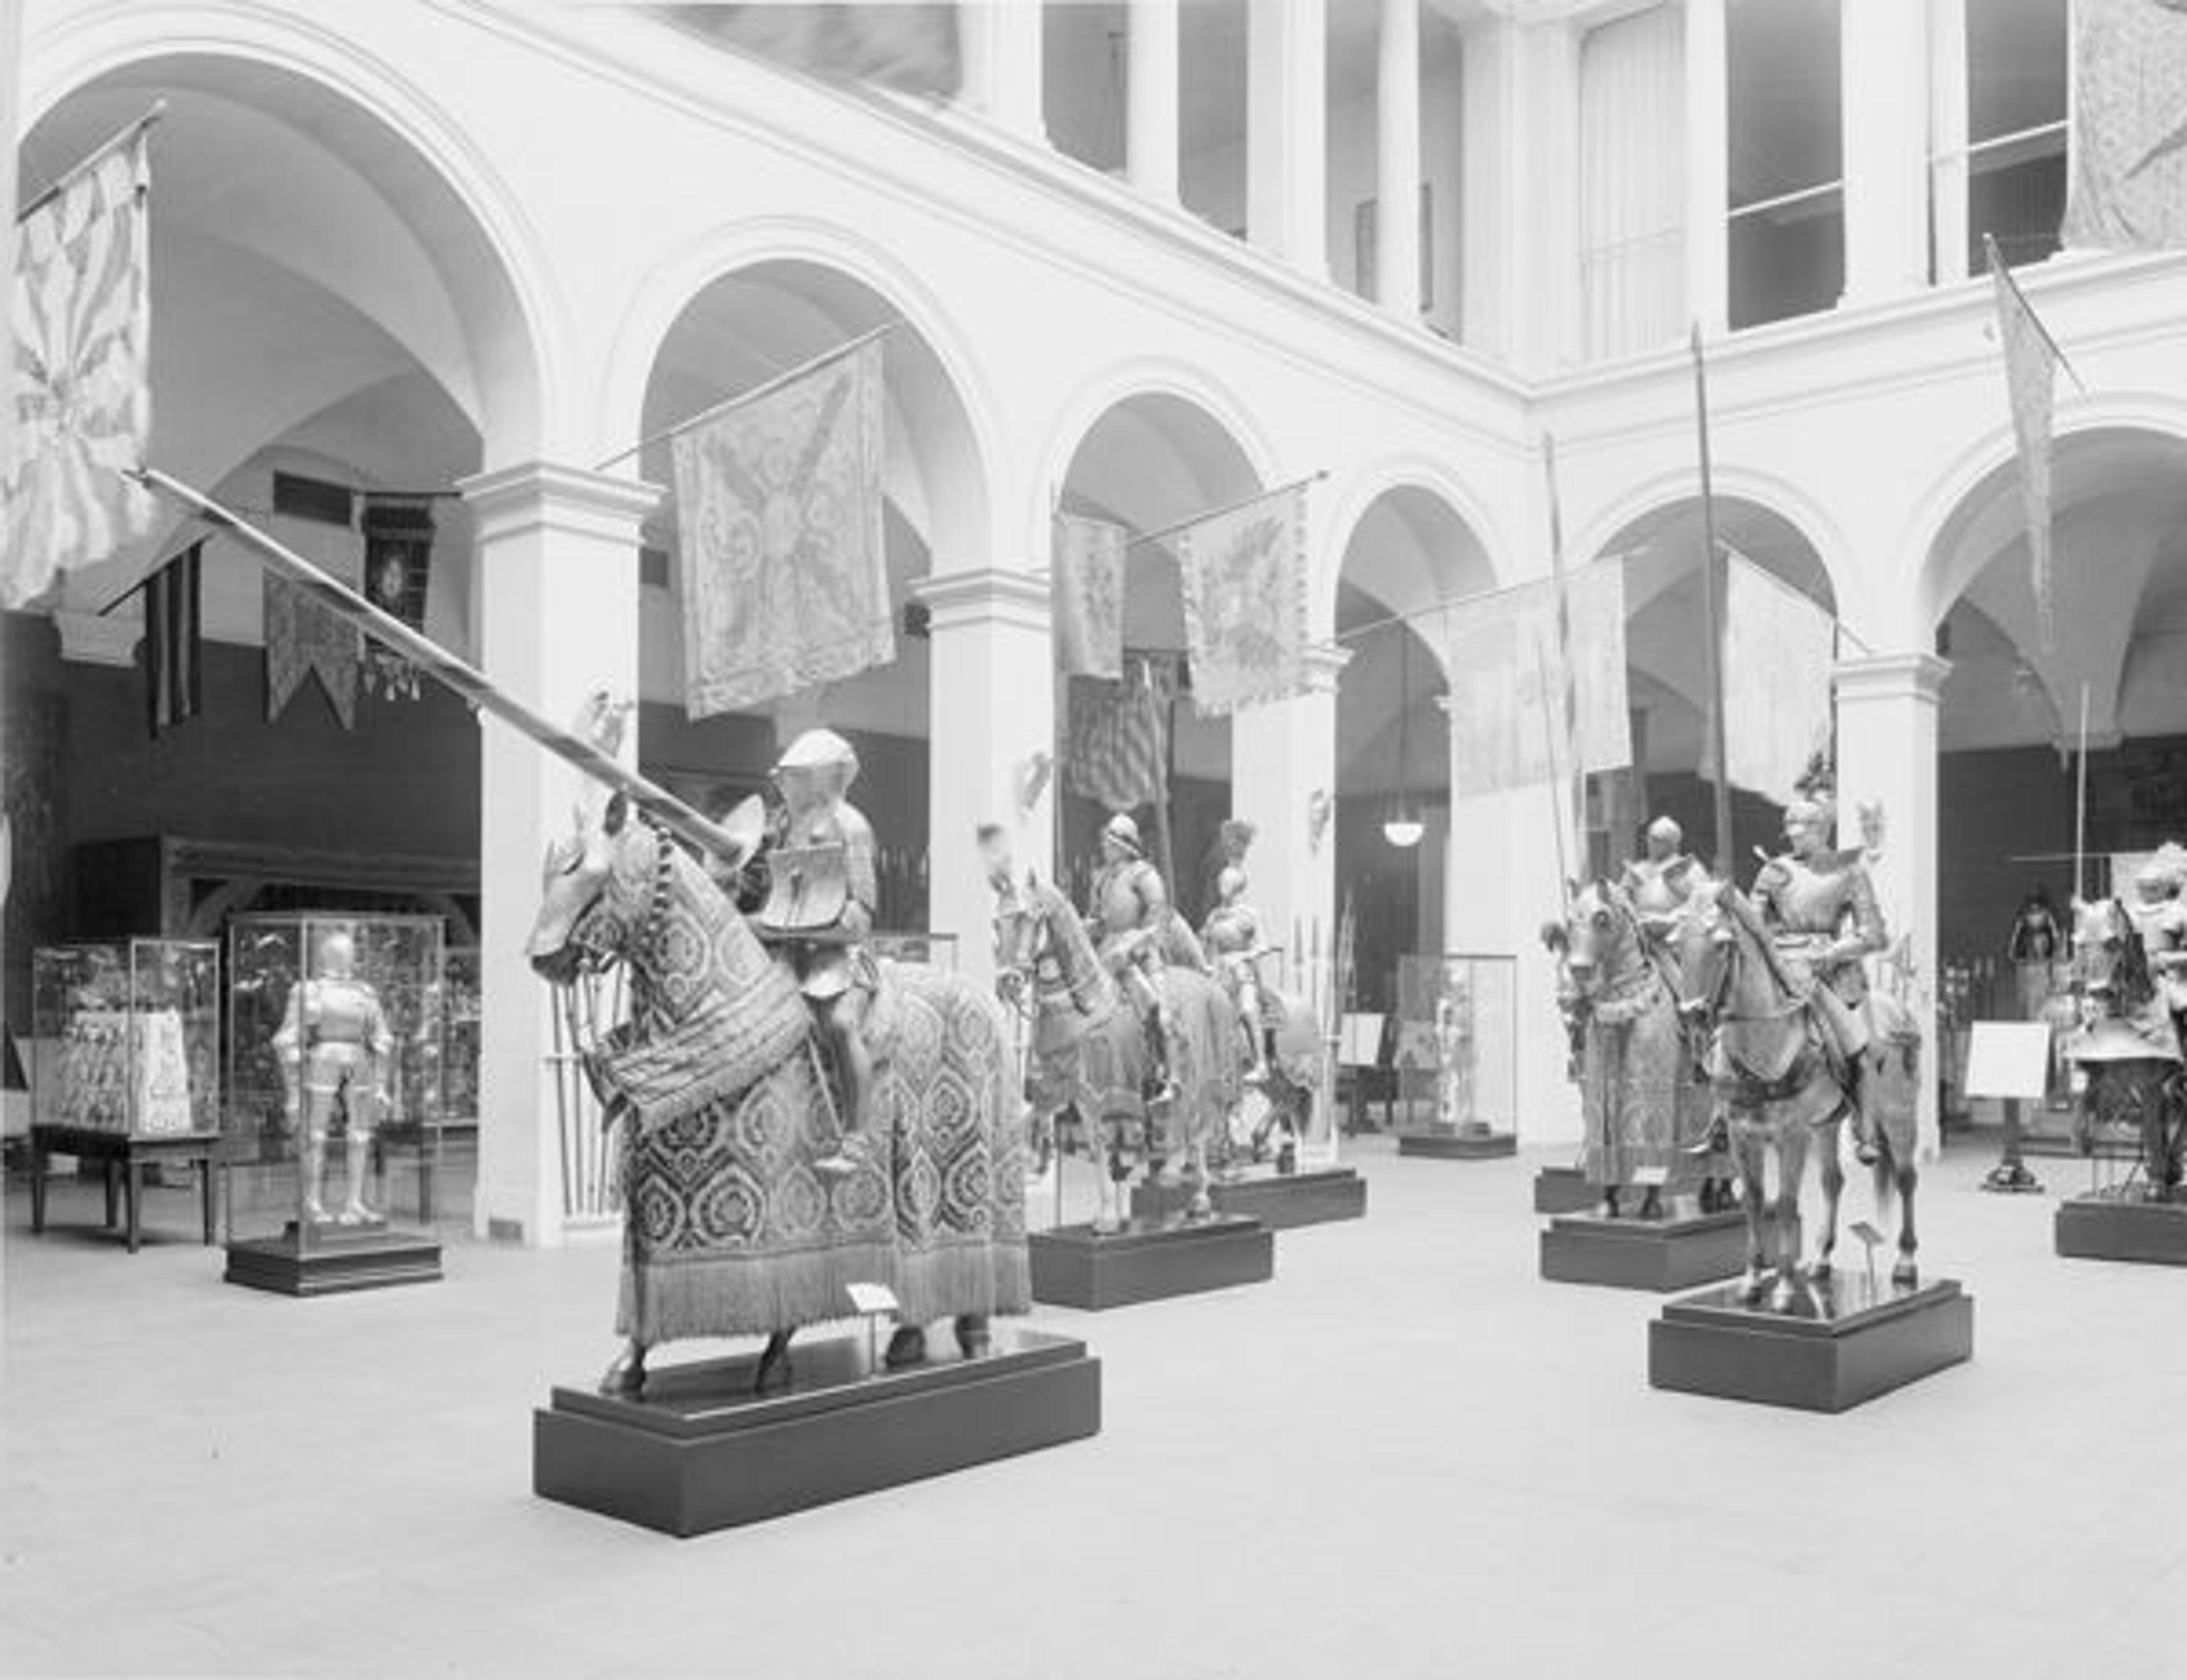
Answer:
(336, 1052)
(1457, 1056)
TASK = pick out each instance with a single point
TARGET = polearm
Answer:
(1712, 621)
(450, 673)
(2080, 804)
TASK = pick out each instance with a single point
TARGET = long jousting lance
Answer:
(450, 673)
(1713, 618)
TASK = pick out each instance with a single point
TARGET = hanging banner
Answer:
(1244, 603)
(778, 510)
(81, 329)
(1508, 696)
(1119, 749)
(2030, 370)
(1779, 647)
(2129, 189)
(1086, 594)
(304, 639)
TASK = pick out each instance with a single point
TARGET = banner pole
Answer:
(1712, 621)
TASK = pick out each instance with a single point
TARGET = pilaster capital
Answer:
(1325, 667)
(534, 496)
(985, 595)
(1911, 676)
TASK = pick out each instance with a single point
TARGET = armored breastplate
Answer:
(1118, 903)
(339, 1011)
(1811, 901)
(1657, 888)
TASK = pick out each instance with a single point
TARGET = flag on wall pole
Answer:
(1244, 574)
(82, 315)
(174, 643)
(1568, 676)
(1779, 648)
(2129, 188)
(1505, 729)
(1086, 592)
(2031, 361)
(1712, 751)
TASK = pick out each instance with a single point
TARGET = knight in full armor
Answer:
(1820, 905)
(1660, 884)
(1231, 935)
(1129, 916)
(2038, 941)
(822, 894)
(334, 1044)
(2159, 912)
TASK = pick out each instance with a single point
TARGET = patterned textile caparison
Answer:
(730, 1230)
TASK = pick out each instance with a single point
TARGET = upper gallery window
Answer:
(1998, 154)
(1786, 158)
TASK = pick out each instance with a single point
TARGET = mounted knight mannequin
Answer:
(1129, 916)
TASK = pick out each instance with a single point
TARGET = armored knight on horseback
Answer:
(1232, 939)
(1819, 906)
(822, 895)
(1129, 916)
(1660, 884)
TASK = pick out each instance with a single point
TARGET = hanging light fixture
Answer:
(1401, 828)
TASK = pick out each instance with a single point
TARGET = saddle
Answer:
(808, 888)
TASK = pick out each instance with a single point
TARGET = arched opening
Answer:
(1410, 553)
(2010, 712)
(738, 333)
(332, 322)
(1666, 675)
(1148, 461)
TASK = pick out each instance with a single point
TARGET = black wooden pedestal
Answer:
(1281, 1202)
(2108, 1225)
(1444, 1143)
(699, 1451)
(1662, 1255)
(1148, 1260)
(1563, 1189)
(333, 1261)
(1833, 1353)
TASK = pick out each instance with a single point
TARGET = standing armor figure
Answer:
(334, 1043)
(2038, 940)
(1129, 918)
(1821, 908)
(822, 893)
(1659, 884)
(1232, 937)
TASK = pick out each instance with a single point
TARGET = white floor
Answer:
(1407, 1456)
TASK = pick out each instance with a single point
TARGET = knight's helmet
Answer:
(819, 764)
(1229, 884)
(1815, 795)
(1124, 832)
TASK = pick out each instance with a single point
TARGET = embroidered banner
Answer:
(2031, 369)
(1506, 692)
(304, 639)
(1244, 603)
(174, 645)
(2129, 142)
(778, 533)
(1779, 647)
(83, 319)
(1086, 591)
(1119, 740)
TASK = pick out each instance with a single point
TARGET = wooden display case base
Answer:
(1148, 1260)
(333, 1264)
(1440, 1143)
(2105, 1225)
(1835, 1352)
(1281, 1202)
(1563, 1189)
(699, 1450)
(1662, 1255)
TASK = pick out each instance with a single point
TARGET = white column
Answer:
(1947, 140)
(1287, 131)
(1397, 161)
(558, 616)
(1003, 65)
(1281, 756)
(1492, 173)
(1887, 716)
(991, 708)
(1708, 166)
(1520, 209)
(1150, 99)
(1884, 79)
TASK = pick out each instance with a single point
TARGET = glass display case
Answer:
(126, 1038)
(337, 1055)
(1457, 1044)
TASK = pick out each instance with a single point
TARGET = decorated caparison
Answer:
(1646, 1112)
(1798, 1043)
(758, 1188)
(2129, 968)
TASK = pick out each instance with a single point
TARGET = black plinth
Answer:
(700, 1452)
(336, 1260)
(2111, 1225)
(1563, 1189)
(1281, 1202)
(1662, 1255)
(1148, 1260)
(1832, 1354)
(1444, 1143)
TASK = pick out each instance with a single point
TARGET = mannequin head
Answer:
(1666, 840)
(337, 954)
